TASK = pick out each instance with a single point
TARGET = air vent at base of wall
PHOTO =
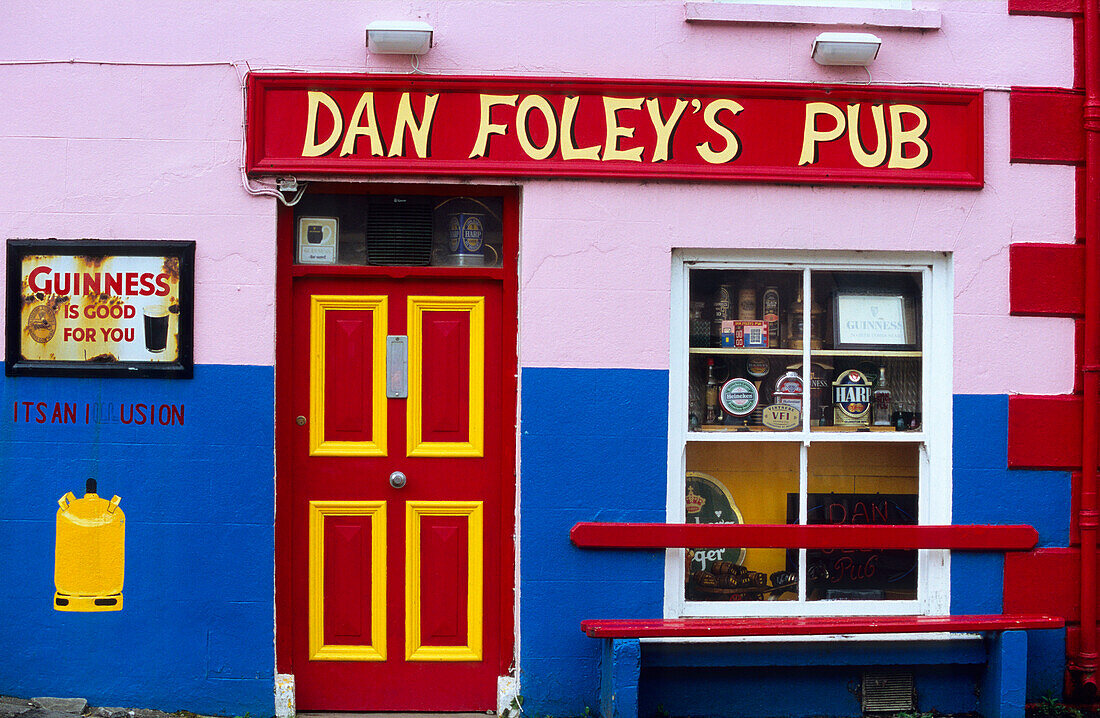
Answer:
(888, 691)
(399, 231)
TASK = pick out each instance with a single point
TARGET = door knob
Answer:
(398, 480)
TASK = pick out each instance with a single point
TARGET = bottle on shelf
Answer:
(746, 301)
(712, 394)
(723, 306)
(795, 319)
(882, 400)
(699, 330)
(770, 314)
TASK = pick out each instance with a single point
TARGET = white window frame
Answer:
(933, 439)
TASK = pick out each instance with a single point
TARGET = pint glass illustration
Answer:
(156, 327)
(89, 554)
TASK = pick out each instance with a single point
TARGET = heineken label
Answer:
(851, 399)
(739, 397)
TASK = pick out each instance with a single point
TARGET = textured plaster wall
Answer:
(153, 152)
(616, 238)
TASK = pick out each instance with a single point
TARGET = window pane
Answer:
(740, 483)
(861, 484)
(865, 349)
(398, 230)
(744, 353)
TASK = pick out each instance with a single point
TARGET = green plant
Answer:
(1050, 707)
(515, 708)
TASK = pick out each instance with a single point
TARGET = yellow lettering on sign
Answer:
(664, 128)
(313, 148)
(539, 103)
(733, 144)
(569, 149)
(899, 138)
(864, 158)
(355, 129)
(420, 131)
(615, 132)
(487, 127)
(811, 135)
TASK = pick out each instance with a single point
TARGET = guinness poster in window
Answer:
(100, 308)
(857, 573)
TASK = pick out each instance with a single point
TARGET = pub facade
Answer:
(343, 375)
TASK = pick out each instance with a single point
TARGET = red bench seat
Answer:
(1003, 649)
(811, 626)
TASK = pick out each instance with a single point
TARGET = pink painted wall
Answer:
(137, 151)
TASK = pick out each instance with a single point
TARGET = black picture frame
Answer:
(16, 365)
(910, 318)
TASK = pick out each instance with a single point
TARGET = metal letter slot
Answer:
(397, 367)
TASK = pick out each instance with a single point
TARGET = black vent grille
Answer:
(399, 231)
(888, 691)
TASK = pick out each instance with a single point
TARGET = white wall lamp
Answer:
(399, 37)
(845, 48)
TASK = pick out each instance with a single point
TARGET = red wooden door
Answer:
(397, 593)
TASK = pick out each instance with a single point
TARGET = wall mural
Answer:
(90, 552)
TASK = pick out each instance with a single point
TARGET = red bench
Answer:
(1004, 653)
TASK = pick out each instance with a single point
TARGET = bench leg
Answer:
(620, 669)
(1004, 686)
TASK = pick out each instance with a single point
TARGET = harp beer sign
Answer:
(348, 124)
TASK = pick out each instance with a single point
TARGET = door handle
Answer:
(398, 480)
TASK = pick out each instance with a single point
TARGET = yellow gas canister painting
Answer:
(89, 556)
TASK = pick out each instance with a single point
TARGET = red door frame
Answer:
(284, 416)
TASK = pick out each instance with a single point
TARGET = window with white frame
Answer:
(809, 388)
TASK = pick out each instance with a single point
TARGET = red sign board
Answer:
(508, 127)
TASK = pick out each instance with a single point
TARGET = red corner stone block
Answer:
(1047, 279)
(1046, 125)
(1045, 581)
(1044, 432)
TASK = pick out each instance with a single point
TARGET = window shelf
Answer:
(824, 433)
(892, 353)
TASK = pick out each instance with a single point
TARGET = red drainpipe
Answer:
(1084, 663)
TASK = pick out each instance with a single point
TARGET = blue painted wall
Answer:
(812, 691)
(593, 448)
(986, 491)
(195, 631)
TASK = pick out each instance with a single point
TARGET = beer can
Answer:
(466, 239)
